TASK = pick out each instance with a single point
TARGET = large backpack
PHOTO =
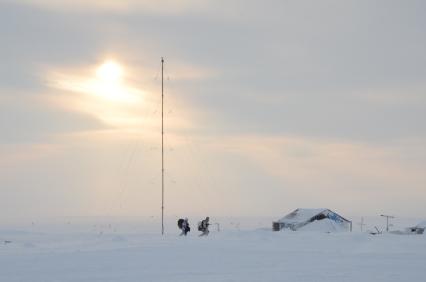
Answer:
(180, 222)
(201, 225)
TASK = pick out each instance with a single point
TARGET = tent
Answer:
(418, 229)
(323, 220)
(422, 224)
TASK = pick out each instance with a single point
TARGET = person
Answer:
(183, 224)
(203, 226)
(185, 227)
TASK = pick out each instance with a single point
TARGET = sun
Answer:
(106, 93)
(110, 72)
(109, 84)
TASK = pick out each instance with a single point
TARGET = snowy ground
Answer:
(112, 252)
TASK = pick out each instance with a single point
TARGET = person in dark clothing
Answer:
(203, 226)
(185, 227)
(183, 224)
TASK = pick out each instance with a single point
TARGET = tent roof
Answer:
(300, 215)
(325, 225)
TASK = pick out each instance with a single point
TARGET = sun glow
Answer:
(104, 92)
(121, 97)
(108, 83)
(110, 72)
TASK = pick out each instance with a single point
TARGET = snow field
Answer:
(257, 255)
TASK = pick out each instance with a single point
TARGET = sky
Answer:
(269, 106)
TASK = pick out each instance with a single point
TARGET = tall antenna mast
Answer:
(162, 146)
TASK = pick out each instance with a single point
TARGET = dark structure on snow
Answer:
(418, 229)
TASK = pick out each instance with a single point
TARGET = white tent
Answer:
(422, 224)
(323, 220)
(418, 229)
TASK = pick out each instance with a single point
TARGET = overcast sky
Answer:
(269, 106)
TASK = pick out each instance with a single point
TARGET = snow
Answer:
(133, 252)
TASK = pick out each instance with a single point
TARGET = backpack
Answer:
(180, 222)
(201, 225)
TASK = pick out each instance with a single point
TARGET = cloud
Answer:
(321, 172)
(26, 119)
(123, 6)
(301, 103)
(127, 105)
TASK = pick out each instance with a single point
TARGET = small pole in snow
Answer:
(387, 220)
(362, 224)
